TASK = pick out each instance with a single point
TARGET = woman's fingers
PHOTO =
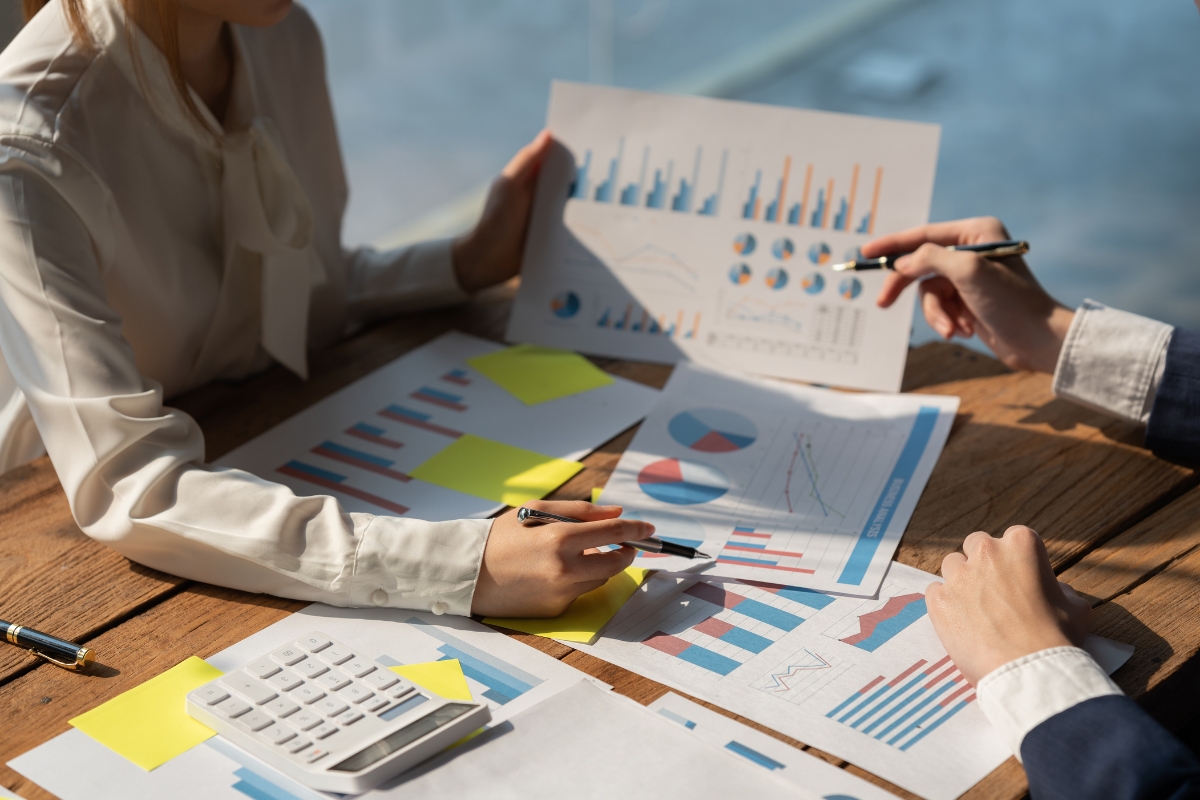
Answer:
(975, 230)
(527, 160)
(893, 285)
(577, 538)
(576, 509)
(600, 566)
(935, 313)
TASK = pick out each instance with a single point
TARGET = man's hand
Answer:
(1001, 601)
(968, 294)
(539, 571)
(490, 253)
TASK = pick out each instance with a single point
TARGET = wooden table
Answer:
(1122, 527)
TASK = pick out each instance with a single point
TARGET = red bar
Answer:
(714, 594)
(395, 508)
(896, 680)
(929, 670)
(367, 465)
(666, 643)
(937, 678)
(870, 685)
(373, 439)
(773, 588)
(750, 533)
(714, 627)
(948, 699)
(455, 379)
(767, 566)
(416, 423)
(437, 401)
(764, 552)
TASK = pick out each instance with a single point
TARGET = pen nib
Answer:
(702, 555)
(845, 265)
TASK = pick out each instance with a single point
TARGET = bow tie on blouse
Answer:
(266, 212)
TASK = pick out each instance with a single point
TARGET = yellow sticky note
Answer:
(535, 374)
(148, 724)
(496, 471)
(587, 615)
(596, 494)
(444, 678)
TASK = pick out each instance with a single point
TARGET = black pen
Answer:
(1009, 247)
(527, 516)
(56, 651)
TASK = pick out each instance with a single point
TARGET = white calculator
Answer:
(329, 717)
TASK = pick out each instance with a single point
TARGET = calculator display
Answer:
(403, 737)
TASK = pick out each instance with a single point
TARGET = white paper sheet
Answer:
(9, 794)
(588, 743)
(403, 414)
(781, 483)
(793, 765)
(864, 679)
(502, 672)
(685, 227)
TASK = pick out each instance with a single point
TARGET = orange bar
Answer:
(780, 208)
(679, 325)
(696, 326)
(875, 199)
(804, 202)
(625, 319)
(757, 206)
(828, 203)
(645, 320)
(850, 204)
(662, 324)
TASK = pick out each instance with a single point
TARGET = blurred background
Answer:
(1077, 122)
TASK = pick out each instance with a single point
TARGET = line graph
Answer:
(647, 259)
(876, 622)
(786, 681)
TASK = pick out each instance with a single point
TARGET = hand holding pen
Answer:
(530, 517)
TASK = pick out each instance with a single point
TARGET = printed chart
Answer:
(792, 485)
(662, 217)
(805, 664)
(396, 442)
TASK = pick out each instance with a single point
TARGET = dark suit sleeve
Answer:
(1173, 431)
(1108, 748)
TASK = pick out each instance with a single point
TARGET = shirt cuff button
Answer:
(379, 597)
(439, 608)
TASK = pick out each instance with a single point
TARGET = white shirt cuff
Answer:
(1112, 361)
(1023, 694)
(404, 563)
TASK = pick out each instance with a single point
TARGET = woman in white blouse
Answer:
(171, 197)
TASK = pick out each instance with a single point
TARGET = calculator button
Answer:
(399, 691)
(348, 718)
(304, 720)
(255, 720)
(358, 667)
(285, 681)
(307, 694)
(375, 703)
(296, 745)
(314, 642)
(281, 707)
(289, 655)
(330, 706)
(249, 688)
(333, 681)
(336, 655)
(323, 731)
(381, 679)
(263, 668)
(232, 707)
(313, 754)
(356, 693)
(210, 695)
(311, 668)
(276, 734)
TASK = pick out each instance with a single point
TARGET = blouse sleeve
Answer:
(133, 470)
(383, 283)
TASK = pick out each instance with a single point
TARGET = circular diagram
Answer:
(669, 527)
(744, 243)
(565, 305)
(739, 274)
(819, 253)
(813, 284)
(850, 288)
(682, 483)
(712, 430)
(783, 249)
(777, 278)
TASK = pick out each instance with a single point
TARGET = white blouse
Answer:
(141, 256)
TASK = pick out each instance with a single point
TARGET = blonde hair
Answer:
(158, 19)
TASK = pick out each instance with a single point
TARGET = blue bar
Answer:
(352, 453)
(894, 695)
(768, 614)
(794, 214)
(866, 224)
(839, 220)
(748, 208)
(682, 720)
(450, 398)
(934, 726)
(404, 412)
(915, 709)
(888, 628)
(746, 640)
(753, 755)
(515, 674)
(917, 724)
(363, 427)
(580, 186)
(252, 791)
(485, 673)
(864, 549)
(405, 707)
(748, 544)
(807, 597)
(844, 703)
(819, 211)
(320, 473)
(707, 659)
(745, 560)
(877, 693)
(895, 709)
(260, 786)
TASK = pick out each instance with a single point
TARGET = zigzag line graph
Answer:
(795, 670)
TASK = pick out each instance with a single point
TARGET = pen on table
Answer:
(527, 516)
(1009, 247)
(56, 651)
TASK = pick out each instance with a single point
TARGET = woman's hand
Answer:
(969, 294)
(539, 571)
(490, 253)
(1001, 601)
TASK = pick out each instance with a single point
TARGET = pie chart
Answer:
(850, 288)
(777, 278)
(712, 430)
(739, 274)
(565, 305)
(744, 243)
(813, 284)
(682, 483)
